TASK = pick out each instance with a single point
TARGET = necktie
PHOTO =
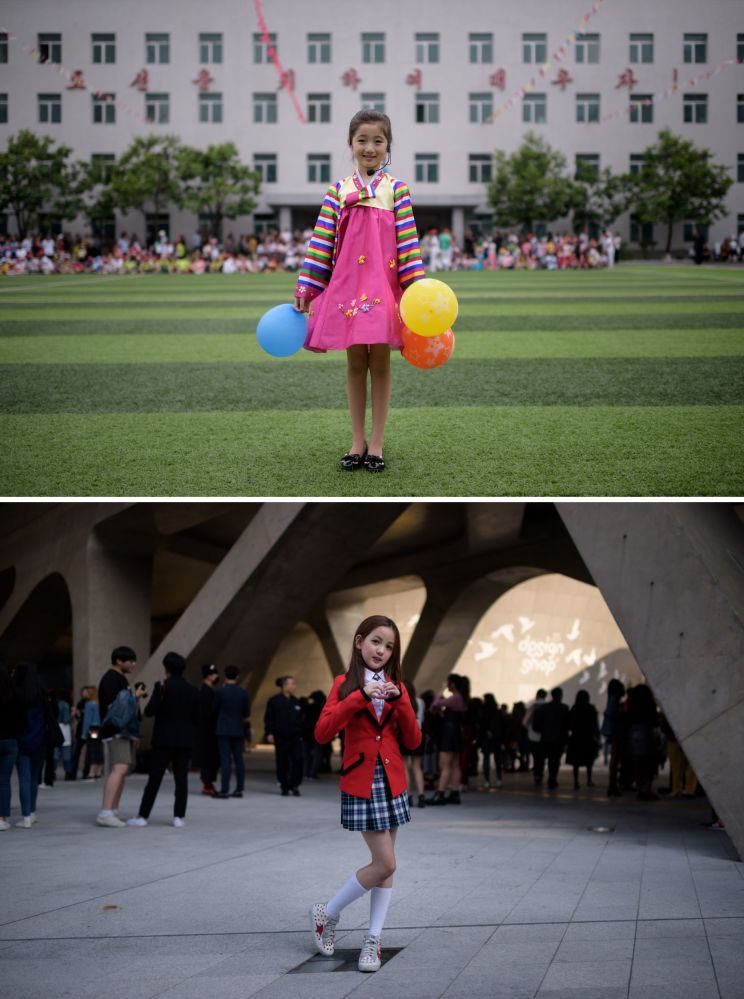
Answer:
(377, 677)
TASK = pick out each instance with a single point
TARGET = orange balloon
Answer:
(427, 351)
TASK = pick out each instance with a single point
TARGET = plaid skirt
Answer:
(377, 813)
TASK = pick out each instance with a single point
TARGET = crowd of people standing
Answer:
(465, 738)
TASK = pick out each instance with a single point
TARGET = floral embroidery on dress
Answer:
(363, 297)
(391, 263)
(364, 305)
(361, 259)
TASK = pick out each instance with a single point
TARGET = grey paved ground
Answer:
(509, 895)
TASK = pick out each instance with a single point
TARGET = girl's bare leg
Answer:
(379, 872)
(445, 770)
(379, 369)
(418, 775)
(357, 365)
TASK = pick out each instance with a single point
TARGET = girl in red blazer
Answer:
(372, 708)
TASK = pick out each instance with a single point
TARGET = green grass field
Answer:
(628, 383)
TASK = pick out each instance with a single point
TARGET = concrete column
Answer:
(673, 576)
(285, 218)
(112, 596)
(458, 225)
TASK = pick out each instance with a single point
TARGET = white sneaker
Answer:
(324, 929)
(110, 820)
(179, 823)
(370, 956)
(138, 821)
(4, 825)
(24, 823)
(34, 820)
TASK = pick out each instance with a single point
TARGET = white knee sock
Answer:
(349, 892)
(379, 900)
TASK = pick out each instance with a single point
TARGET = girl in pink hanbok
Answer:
(363, 254)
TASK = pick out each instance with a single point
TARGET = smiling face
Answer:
(377, 647)
(369, 146)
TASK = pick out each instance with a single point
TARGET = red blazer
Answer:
(366, 738)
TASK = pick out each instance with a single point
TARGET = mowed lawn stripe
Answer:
(131, 388)
(488, 451)
(211, 345)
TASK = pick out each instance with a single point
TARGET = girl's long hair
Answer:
(355, 674)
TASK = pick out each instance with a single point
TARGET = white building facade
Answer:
(282, 79)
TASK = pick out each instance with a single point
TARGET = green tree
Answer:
(37, 176)
(217, 184)
(530, 184)
(600, 197)
(146, 176)
(97, 200)
(679, 181)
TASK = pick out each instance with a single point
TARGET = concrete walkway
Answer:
(512, 894)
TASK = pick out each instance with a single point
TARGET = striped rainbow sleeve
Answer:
(317, 266)
(410, 267)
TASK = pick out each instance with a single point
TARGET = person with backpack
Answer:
(39, 731)
(175, 707)
(119, 730)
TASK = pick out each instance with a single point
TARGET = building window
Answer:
(265, 165)
(481, 47)
(587, 108)
(265, 109)
(535, 109)
(375, 102)
(264, 222)
(261, 48)
(210, 48)
(739, 47)
(50, 48)
(427, 168)
(586, 48)
(427, 47)
(587, 166)
(739, 168)
(534, 48)
(642, 108)
(319, 48)
(3, 46)
(157, 48)
(373, 46)
(636, 163)
(740, 225)
(50, 109)
(3, 109)
(740, 108)
(318, 168)
(695, 109)
(695, 48)
(104, 48)
(318, 107)
(157, 108)
(427, 109)
(210, 108)
(155, 224)
(480, 168)
(641, 48)
(103, 165)
(480, 107)
(104, 109)
(641, 232)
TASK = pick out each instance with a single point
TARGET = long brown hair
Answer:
(355, 674)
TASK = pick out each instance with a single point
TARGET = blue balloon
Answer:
(282, 330)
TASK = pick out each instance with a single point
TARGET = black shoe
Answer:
(223, 797)
(453, 798)
(374, 463)
(421, 801)
(285, 792)
(237, 794)
(552, 784)
(296, 792)
(352, 461)
(438, 799)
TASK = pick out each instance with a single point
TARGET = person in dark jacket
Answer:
(12, 721)
(641, 722)
(583, 742)
(551, 721)
(174, 705)
(233, 712)
(206, 753)
(283, 723)
(40, 729)
(312, 707)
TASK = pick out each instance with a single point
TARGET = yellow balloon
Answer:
(428, 307)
